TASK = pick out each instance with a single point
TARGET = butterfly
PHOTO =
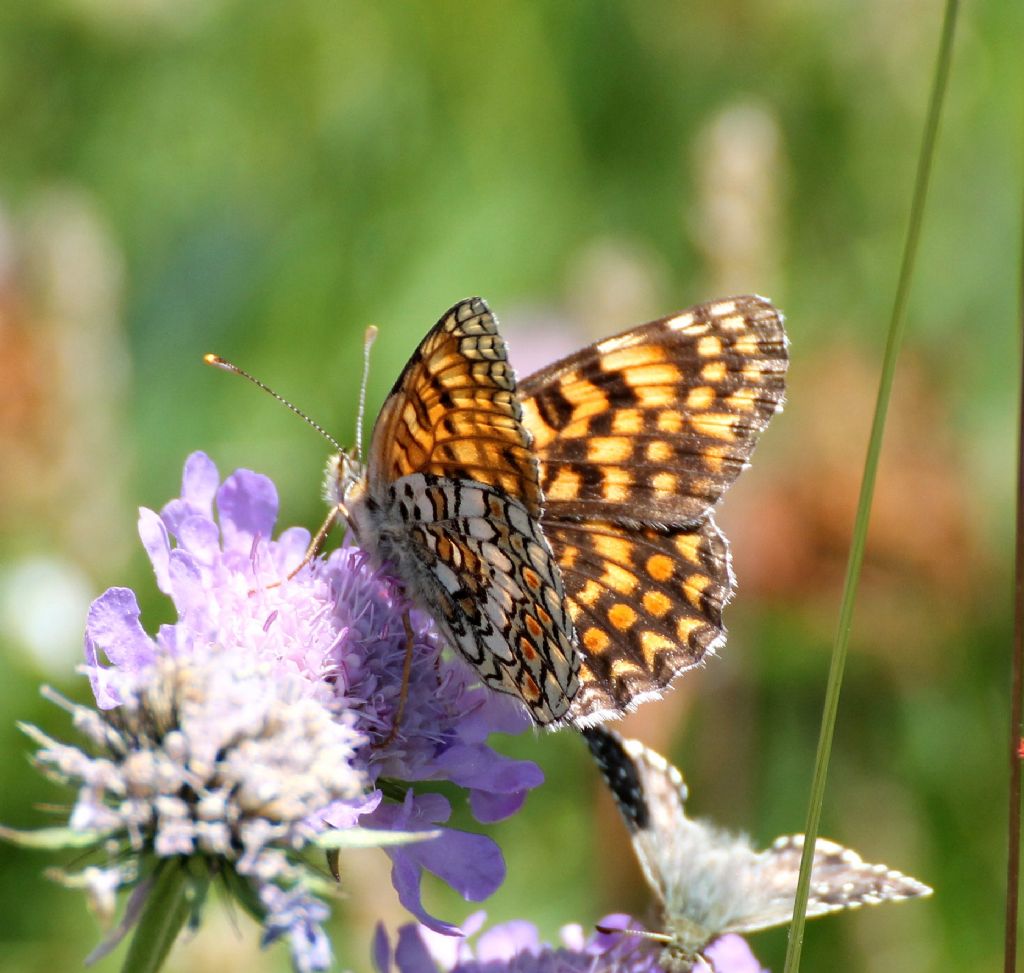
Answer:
(710, 882)
(559, 531)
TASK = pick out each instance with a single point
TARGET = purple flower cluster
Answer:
(265, 716)
(516, 947)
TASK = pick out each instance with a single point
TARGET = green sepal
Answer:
(177, 887)
(52, 838)
(370, 838)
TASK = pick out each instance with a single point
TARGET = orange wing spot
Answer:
(658, 451)
(595, 640)
(686, 626)
(654, 643)
(632, 357)
(532, 579)
(743, 400)
(586, 397)
(576, 429)
(752, 373)
(714, 372)
(543, 434)
(619, 579)
(657, 396)
(694, 587)
(444, 549)
(545, 618)
(657, 603)
(527, 649)
(665, 483)
(733, 322)
(685, 322)
(589, 593)
(628, 422)
(609, 449)
(699, 399)
(531, 691)
(616, 484)
(621, 616)
(709, 346)
(714, 458)
(613, 548)
(567, 557)
(534, 627)
(661, 374)
(746, 345)
(717, 425)
(670, 421)
(623, 667)
(660, 567)
(688, 546)
(566, 485)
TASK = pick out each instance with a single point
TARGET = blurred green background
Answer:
(263, 180)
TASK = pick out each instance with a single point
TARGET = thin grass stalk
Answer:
(1016, 670)
(897, 327)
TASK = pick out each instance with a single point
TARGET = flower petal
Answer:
(199, 483)
(380, 951)
(247, 504)
(112, 627)
(411, 955)
(507, 941)
(731, 954)
(153, 532)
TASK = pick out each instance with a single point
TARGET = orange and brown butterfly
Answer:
(560, 532)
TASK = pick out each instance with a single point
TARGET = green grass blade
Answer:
(897, 327)
(1016, 671)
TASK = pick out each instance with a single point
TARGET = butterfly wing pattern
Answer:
(710, 882)
(560, 533)
(450, 501)
(638, 436)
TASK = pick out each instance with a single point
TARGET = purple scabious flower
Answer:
(516, 947)
(265, 720)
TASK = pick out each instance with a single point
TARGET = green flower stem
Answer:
(897, 327)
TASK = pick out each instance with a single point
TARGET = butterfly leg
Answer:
(403, 694)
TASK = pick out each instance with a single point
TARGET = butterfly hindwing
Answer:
(647, 605)
(494, 589)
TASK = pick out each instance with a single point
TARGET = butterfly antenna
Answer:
(658, 937)
(227, 366)
(368, 339)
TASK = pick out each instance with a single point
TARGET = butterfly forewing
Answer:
(647, 604)
(451, 502)
(711, 882)
(840, 879)
(653, 425)
(454, 411)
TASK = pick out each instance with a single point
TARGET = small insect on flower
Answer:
(559, 532)
(710, 882)
(257, 728)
